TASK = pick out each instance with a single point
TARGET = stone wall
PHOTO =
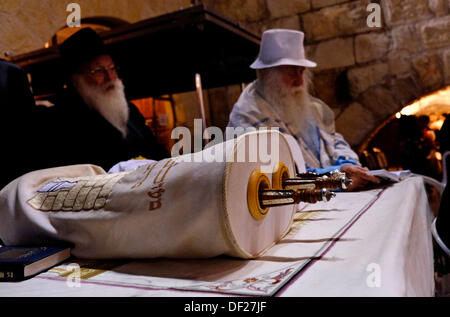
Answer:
(26, 25)
(365, 74)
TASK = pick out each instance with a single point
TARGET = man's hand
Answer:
(359, 175)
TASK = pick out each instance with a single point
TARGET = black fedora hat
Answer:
(80, 47)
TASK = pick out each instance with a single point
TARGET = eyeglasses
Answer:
(102, 71)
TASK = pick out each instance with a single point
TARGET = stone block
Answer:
(428, 70)
(346, 19)
(292, 23)
(403, 11)
(27, 26)
(446, 63)
(285, 8)
(355, 122)
(324, 87)
(398, 54)
(371, 46)
(362, 78)
(438, 7)
(255, 28)
(240, 10)
(12, 39)
(11, 6)
(406, 37)
(316, 4)
(405, 90)
(137, 10)
(436, 32)
(380, 101)
(399, 66)
(332, 54)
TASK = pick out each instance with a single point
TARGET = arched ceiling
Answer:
(436, 103)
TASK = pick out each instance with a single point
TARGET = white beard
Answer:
(110, 103)
(293, 106)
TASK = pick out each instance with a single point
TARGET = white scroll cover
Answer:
(190, 206)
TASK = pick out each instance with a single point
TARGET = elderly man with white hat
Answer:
(279, 98)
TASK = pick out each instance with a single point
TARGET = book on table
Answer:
(21, 262)
(391, 176)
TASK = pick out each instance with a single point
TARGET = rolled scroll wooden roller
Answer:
(191, 206)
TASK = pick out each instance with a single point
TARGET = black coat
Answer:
(76, 134)
(444, 136)
(15, 94)
(17, 106)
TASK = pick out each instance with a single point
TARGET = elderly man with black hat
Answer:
(92, 121)
(279, 98)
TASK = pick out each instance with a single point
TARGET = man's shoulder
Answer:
(4, 63)
(70, 104)
(132, 106)
(250, 98)
(323, 113)
(319, 103)
(134, 111)
(11, 71)
(11, 68)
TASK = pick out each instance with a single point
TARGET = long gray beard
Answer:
(293, 106)
(112, 104)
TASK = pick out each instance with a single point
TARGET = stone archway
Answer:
(369, 74)
(411, 139)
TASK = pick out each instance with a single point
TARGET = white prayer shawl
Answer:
(253, 110)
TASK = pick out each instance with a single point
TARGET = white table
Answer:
(385, 250)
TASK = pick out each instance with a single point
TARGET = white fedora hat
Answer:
(281, 47)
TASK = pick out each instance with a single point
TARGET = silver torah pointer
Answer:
(281, 197)
(332, 180)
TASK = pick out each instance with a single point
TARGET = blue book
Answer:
(18, 263)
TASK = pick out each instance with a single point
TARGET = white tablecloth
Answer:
(393, 236)
(374, 243)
